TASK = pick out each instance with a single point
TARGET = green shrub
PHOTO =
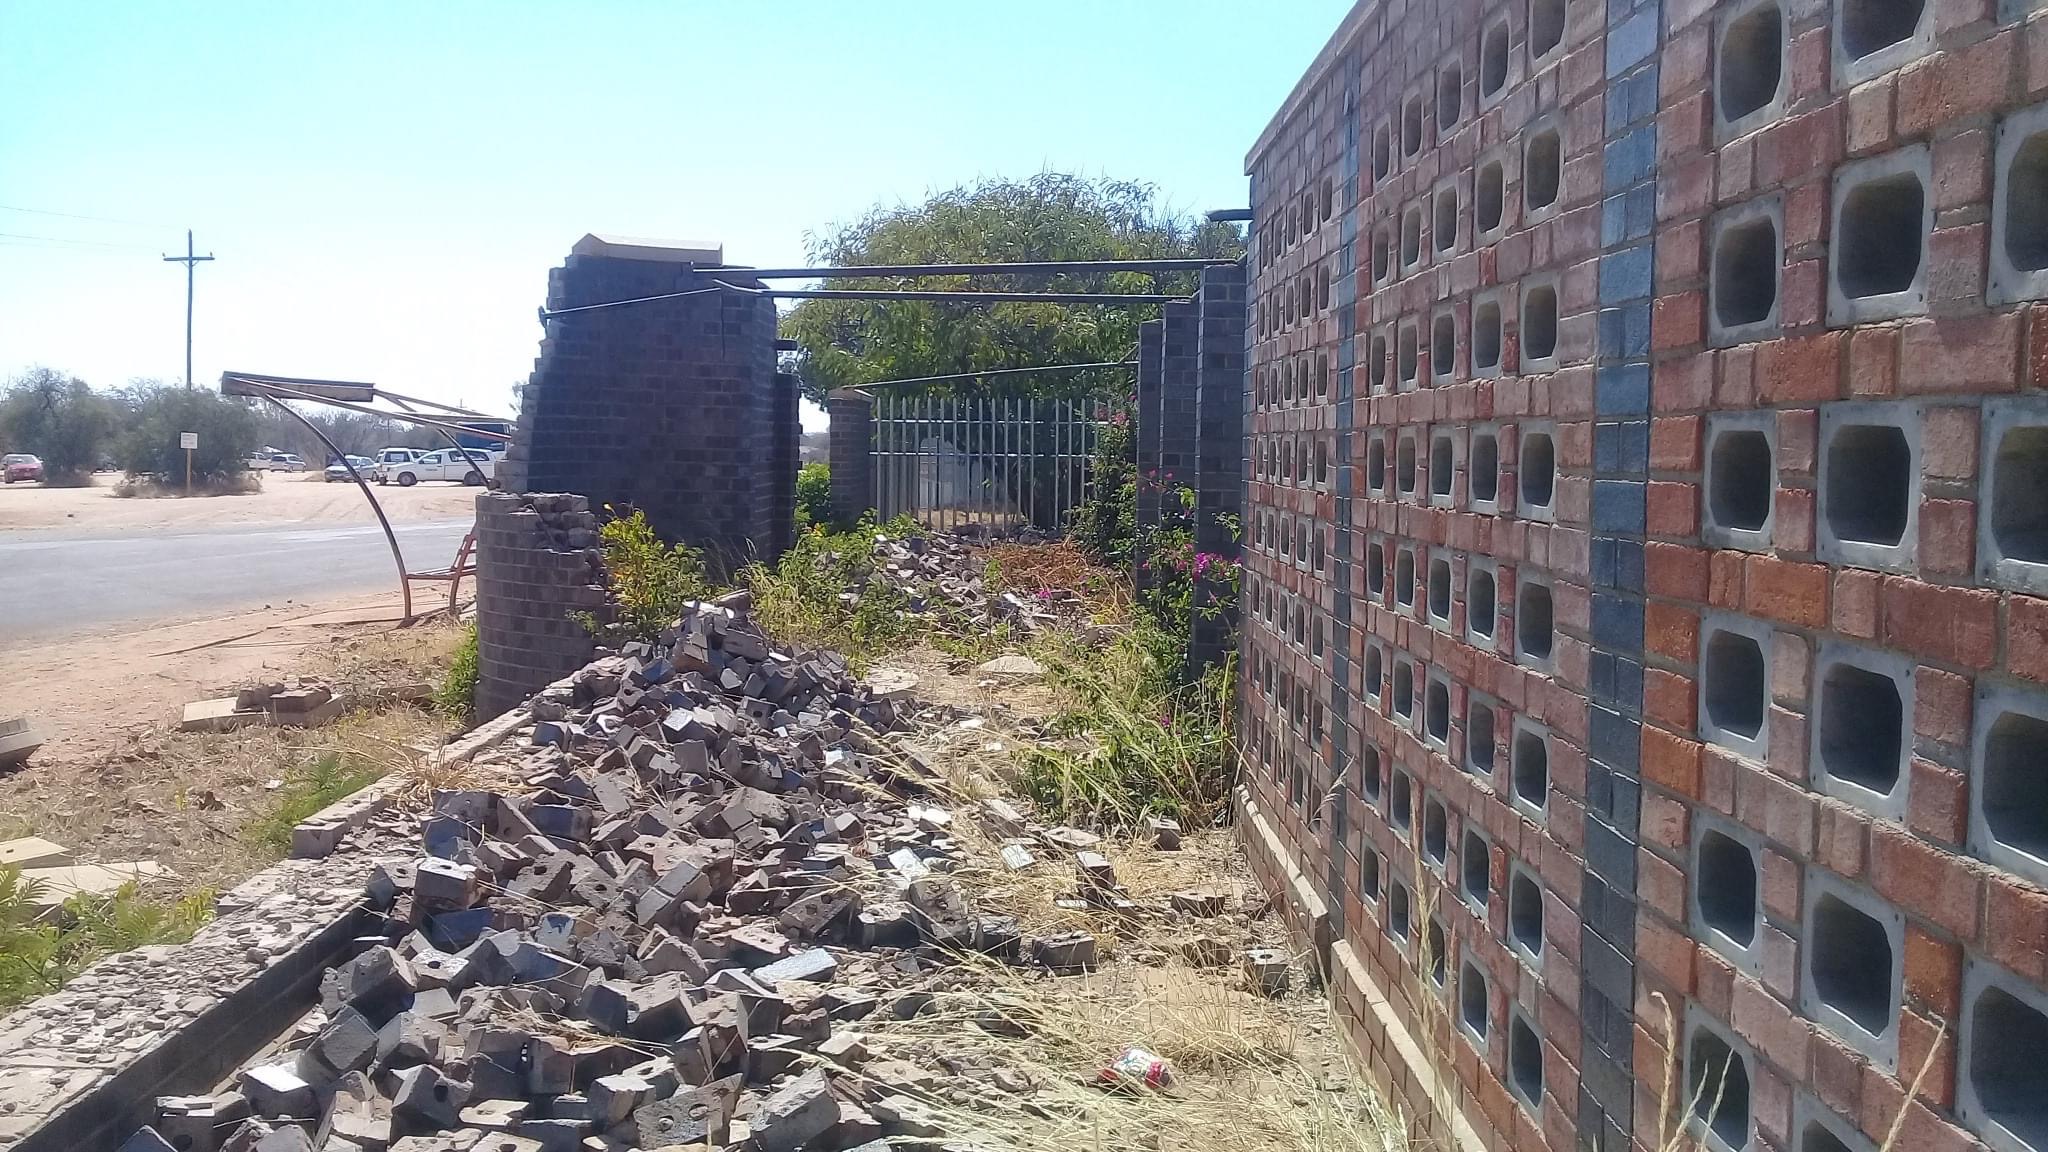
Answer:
(456, 694)
(40, 952)
(148, 445)
(61, 420)
(813, 494)
(804, 599)
(650, 581)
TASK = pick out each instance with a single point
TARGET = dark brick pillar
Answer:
(1220, 450)
(786, 435)
(1151, 351)
(536, 561)
(1179, 395)
(672, 407)
(853, 456)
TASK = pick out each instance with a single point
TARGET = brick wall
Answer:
(672, 406)
(536, 562)
(853, 456)
(1647, 515)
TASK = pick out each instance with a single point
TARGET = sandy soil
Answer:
(285, 498)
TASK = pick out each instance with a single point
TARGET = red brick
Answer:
(1675, 570)
(2035, 52)
(1856, 603)
(1958, 625)
(1809, 64)
(1683, 125)
(1735, 169)
(1724, 579)
(1798, 440)
(1936, 800)
(1960, 354)
(1792, 522)
(1786, 752)
(1806, 210)
(1928, 1043)
(1781, 886)
(1683, 65)
(1660, 885)
(2037, 346)
(1664, 952)
(1675, 442)
(1678, 321)
(1869, 118)
(1840, 840)
(1799, 369)
(1670, 699)
(2016, 927)
(1684, 384)
(1955, 267)
(1791, 668)
(1952, 85)
(1770, 1026)
(1873, 361)
(2026, 637)
(1666, 823)
(1802, 293)
(1933, 971)
(1718, 771)
(1671, 631)
(1672, 508)
(1948, 443)
(1735, 377)
(1941, 706)
(1780, 810)
(1671, 762)
(1837, 1075)
(1797, 145)
(1788, 592)
(1948, 537)
(1714, 982)
(1926, 882)
(1962, 170)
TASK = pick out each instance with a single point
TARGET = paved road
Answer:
(55, 583)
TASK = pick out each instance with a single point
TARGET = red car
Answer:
(20, 466)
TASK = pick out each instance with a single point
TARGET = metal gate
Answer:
(997, 462)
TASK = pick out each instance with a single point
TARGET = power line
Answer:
(69, 240)
(76, 216)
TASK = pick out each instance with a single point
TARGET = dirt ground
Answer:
(117, 782)
(285, 498)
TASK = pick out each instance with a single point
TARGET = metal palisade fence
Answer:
(1000, 462)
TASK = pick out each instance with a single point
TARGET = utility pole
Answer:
(190, 261)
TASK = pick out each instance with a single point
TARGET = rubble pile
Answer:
(945, 574)
(713, 874)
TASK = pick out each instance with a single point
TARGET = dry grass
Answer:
(197, 802)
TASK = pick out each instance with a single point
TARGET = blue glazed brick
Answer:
(1600, 675)
(1622, 389)
(1618, 506)
(1606, 562)
(1622, 448)
(1628, 684)
(1624, 333)
(1627, 275)
(1627, 811)
(1631, 42)
(1628, 565)
(1614, 740)
(1617, 623)
(1610, 856)
(1631, 100)
(1629, 159)
(1605, 967)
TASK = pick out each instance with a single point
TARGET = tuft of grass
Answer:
(1148, 744)
(456, 694)
(329, 777)
(40, 953)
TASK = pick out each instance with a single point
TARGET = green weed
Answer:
(330, 777)
(650, 581)
(819, 595)
(456, 694)
(40, 952)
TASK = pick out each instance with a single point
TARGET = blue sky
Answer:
(386, 185)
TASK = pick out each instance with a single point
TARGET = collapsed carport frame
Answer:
(355, 396)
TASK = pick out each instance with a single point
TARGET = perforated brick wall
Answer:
(1685, 404)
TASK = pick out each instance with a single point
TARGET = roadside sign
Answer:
(189, 441)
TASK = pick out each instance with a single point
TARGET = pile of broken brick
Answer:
(944, 574)
(715, 870)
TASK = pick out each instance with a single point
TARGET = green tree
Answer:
(814, 494)
(148, 446)
(1048, 217)
(60, 419)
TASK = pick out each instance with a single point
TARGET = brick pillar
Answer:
(1179, 395)
(1220, 451)
(671, 407)
(853, 456)
(536, 561)
(785, 438)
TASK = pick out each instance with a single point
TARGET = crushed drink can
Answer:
(1136, 1068)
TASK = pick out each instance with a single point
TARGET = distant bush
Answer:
(148, 444)
(814, 494)
(61, 420)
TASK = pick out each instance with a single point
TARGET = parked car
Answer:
(275, 462)
(21, 466)
(338, 471)
(475, 467)
(389, 459)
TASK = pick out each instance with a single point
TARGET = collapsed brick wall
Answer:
(673, 406)
(1646, 462)
(537, 561)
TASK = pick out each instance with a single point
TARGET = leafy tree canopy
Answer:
(1047, 217)
(60, 419)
